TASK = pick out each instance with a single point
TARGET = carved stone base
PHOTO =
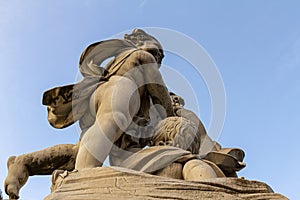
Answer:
(119, 183)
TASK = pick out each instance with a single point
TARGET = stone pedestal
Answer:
(119, 183)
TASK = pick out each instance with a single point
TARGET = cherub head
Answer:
(177, 101)
(146, 42)
(178, 132)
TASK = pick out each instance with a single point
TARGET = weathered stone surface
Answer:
(121, 183)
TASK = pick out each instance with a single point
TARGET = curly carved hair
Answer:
(178, 132)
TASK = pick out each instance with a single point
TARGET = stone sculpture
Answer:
(131, 80)
(115, 105)
(131, 77)
(175, 150)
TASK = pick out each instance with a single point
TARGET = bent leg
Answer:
(118, 102)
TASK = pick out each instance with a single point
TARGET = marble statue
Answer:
(114, 105)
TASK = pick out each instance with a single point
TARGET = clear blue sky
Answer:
(255, 45)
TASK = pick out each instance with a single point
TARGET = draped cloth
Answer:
(155, 158)
(67, 104)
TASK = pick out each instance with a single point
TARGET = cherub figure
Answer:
(104, 102)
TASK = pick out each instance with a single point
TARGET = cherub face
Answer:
(177, 101)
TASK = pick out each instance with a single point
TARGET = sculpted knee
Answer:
(195, 170)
